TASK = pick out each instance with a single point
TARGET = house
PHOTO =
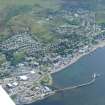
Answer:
(15, 84)
(20, 64)
(32, 72)
(9, 85)
(47, 89)
(12, 85)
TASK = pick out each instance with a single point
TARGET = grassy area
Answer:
(46, 80)
(2, 59)
(14, 97)
(100, 17)
(45, 3)
(18, 57)
(16, 17)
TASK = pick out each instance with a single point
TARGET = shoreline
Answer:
(79, 56)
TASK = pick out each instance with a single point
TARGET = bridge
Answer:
(94, 76)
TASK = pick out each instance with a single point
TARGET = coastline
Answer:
(78, 56)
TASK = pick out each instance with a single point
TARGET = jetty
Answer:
(94, 76)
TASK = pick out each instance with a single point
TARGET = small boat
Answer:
(94, 75)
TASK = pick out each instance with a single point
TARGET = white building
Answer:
(23, 78)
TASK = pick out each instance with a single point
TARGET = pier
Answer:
(94, 76)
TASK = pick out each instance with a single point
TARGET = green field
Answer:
(100, 17)
(16, 15)
(46, 3)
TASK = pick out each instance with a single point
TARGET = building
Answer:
(9, 85)
(23, 78)
(32, 72)
(15, 84)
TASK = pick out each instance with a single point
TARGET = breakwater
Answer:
(94, 76)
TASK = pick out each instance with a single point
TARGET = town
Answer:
(40, 42)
